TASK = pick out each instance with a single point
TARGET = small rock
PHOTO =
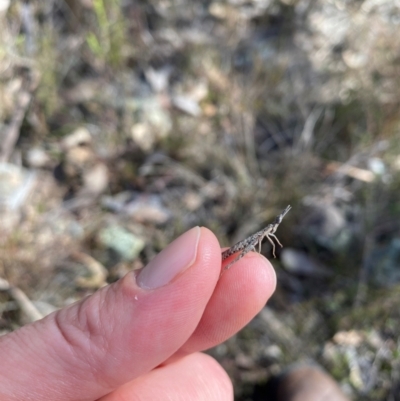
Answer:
(117, 202)
(298, 262)
(192, 201)
(187, 105)
(152, 113)
(143, 208)
(158, 79)
(352, 337)
(377, 166)
(37, 158)
(143, 136)
(244, 361)
(81, 136)
(122, 241)
(218, 10)
(4, 4)
(15, 185)
(327, 225)
(147, 209)
(273, 352)
(95, 180)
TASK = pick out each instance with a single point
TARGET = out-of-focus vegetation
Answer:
(123, 124)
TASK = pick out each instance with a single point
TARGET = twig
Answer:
(97, 270)
(24, 303)
(11, 134)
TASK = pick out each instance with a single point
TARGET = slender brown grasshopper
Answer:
(249, 244)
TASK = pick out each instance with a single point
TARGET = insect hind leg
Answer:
(246, 250)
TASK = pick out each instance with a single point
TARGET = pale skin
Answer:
(126, 342)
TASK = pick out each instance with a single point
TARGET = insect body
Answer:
(249, 244)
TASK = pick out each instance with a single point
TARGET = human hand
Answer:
(139, 338)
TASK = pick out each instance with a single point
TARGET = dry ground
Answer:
(122, 124)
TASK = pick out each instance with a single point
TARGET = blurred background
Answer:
(124, 123)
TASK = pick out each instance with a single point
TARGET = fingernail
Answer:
(170, 262)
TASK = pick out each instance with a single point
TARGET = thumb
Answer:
(119, 333)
